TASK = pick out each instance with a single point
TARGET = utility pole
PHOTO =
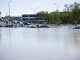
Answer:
(57, 6)
(58, 20)
(34, 9)
(9, 11)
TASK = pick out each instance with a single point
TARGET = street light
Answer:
(9, 7)
(35, 9)
(9, 10)
(58, 21)
(57, 6)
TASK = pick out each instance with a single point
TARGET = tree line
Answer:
(70, 15)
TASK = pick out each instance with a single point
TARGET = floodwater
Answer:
(56, 43)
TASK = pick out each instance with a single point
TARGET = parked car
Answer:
(32, 27)
(76, 27)
(42, 26)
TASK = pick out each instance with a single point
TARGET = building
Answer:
(31, 18)
(12, 18)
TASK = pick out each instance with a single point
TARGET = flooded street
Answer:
(56, 43)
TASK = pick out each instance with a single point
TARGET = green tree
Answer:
(43, 15)
(75, 9)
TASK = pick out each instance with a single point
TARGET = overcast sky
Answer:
(19, 7)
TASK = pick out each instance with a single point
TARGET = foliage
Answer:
(42, 15)
(71, 14)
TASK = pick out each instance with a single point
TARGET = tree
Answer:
(74, 12)
(43, 15)
(75, 9)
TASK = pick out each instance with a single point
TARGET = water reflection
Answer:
(9, 37)
(0, 35)
(1, 55)
(75, 40)
(59, 43)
